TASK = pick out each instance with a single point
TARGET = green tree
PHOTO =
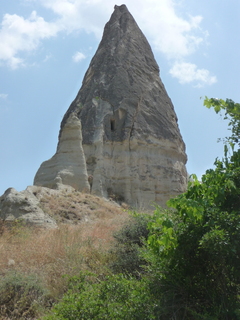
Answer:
(231, 113)
(194, 250)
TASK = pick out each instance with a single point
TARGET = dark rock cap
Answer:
(125, 74)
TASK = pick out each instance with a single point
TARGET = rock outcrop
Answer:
(131, 140)
(68, 165)
(24, 206)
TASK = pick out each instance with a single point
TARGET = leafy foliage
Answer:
(128, 240)
(231, 113)
(195, 249)
(117, 297)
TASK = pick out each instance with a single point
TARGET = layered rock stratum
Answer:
(131, 146)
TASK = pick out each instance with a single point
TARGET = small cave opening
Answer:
(112, 124)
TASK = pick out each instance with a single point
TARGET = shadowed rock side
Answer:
(131, 140)
(68, 165)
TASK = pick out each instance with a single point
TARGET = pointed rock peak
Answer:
(122, 14)
(121, 67)
(121, 8)
(122, 33)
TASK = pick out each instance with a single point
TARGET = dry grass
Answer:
(71, 206)
(81, 242)
(86, 224)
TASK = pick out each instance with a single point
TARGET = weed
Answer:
(22, 296)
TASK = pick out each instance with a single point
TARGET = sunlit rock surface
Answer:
(25, 206)
(68, 165)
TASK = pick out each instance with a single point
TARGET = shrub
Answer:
(128, 240)
(194, 257)
(22, 296)
(116, 297)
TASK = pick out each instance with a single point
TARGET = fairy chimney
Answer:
(131, 143)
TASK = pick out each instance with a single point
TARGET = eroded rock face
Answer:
(68, 165)
(24, 206)
(131, 140)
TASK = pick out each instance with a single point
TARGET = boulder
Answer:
(24, 206)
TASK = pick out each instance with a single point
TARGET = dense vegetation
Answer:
(178, 263)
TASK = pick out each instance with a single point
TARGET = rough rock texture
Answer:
(68, 165)
(24, 206)
(131, 140)
(48, 208)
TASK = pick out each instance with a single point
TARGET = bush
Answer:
(128, 240)
(117, 297)
(22, 296)
(194, 258)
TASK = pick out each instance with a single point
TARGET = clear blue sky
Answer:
(46, 47)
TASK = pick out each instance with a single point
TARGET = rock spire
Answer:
(68, 165)
(130, 137)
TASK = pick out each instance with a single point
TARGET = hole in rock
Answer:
(112, 124)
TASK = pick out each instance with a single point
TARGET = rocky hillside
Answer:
(34, 260)
(45, 207)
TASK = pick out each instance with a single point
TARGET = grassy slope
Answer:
(86, 224)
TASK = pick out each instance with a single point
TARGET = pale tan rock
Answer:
(140, 173)
(68, 165)
(25, 206)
